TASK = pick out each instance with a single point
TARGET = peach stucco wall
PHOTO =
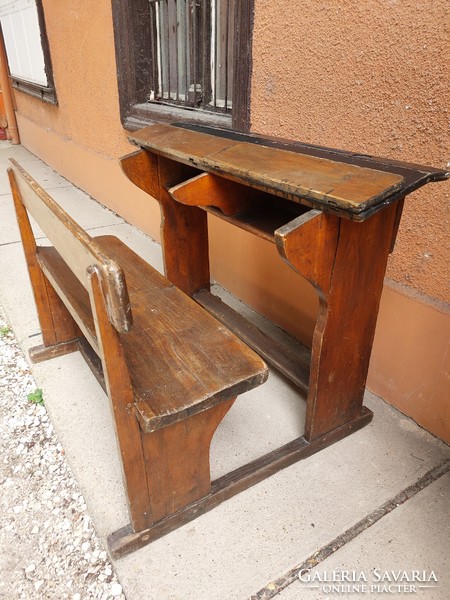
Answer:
(368, 77)
(371, 77)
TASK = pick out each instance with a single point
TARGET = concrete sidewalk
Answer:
(253, 544)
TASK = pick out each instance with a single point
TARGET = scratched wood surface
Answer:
(289, 174)
(170, 379)
(181, 360)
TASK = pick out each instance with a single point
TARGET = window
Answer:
(183, 59)
(26, 46)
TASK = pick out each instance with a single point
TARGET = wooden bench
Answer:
(171, 370)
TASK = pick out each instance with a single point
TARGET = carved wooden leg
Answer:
(60, 333)
(121, 397)
(184, 229)
(346, 262)
(177, 460)
(178, 478)
(184, 233)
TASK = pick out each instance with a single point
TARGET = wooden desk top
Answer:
(354, 186)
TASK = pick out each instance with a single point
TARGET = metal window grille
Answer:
(193, 53)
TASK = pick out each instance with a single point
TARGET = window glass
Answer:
(26, 44)
(21, 32)
(193, 53)
(184, 60)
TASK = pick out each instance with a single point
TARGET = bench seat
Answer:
(175, 350)
(171, 371)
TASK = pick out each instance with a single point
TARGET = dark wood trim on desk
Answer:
(349, 190)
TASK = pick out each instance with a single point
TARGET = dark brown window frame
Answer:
(133, 58)
(45, 93)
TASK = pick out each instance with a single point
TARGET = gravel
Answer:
(49, 549)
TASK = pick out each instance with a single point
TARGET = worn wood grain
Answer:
(42, 353)
(179, 459)
(57, 325)
(120, 393)
(69, 290)
(414, 175)
(184, 232)
(289, 356)
(308, 243)
(181, 360)
(348, 310)
(210, 190)
(290, 174)
(142, 169)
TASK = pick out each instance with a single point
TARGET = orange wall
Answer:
(371, 77)
(366, 76)
(82, 136)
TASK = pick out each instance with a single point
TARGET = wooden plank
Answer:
(93, 361)
(348, 309)
(178, 459)
(207, 189)
(75, 246)
(69, 290)
(124, 541)
(293, 175)
(57, 326)
(291, 358)
(142, 169)
(310, 177)
(414, 175)
(308, 244)
(184, 232)
(41, 353)
(247, 208)
(263, 222)
(120, 394)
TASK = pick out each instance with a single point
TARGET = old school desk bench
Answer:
(333, 216)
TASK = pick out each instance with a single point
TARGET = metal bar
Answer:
(216, 63)
(186, 51)
(166, 4)
(194, 48)
(154, 50)
(206, 52)
(159, 26)
(226, 56)
(177, 58)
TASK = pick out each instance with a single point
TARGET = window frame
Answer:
(134, 67)
(45, 93)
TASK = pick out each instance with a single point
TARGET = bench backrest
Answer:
(79, 251)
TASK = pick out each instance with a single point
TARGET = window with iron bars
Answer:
(192, 53)
(183, 60)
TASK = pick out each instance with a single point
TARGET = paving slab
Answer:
(88, 214)
(8, 150)
(268, 529)
(250, 540)
(47, 177)
(15, 289)
(413, 537)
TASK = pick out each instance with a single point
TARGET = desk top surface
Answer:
(341, 182)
